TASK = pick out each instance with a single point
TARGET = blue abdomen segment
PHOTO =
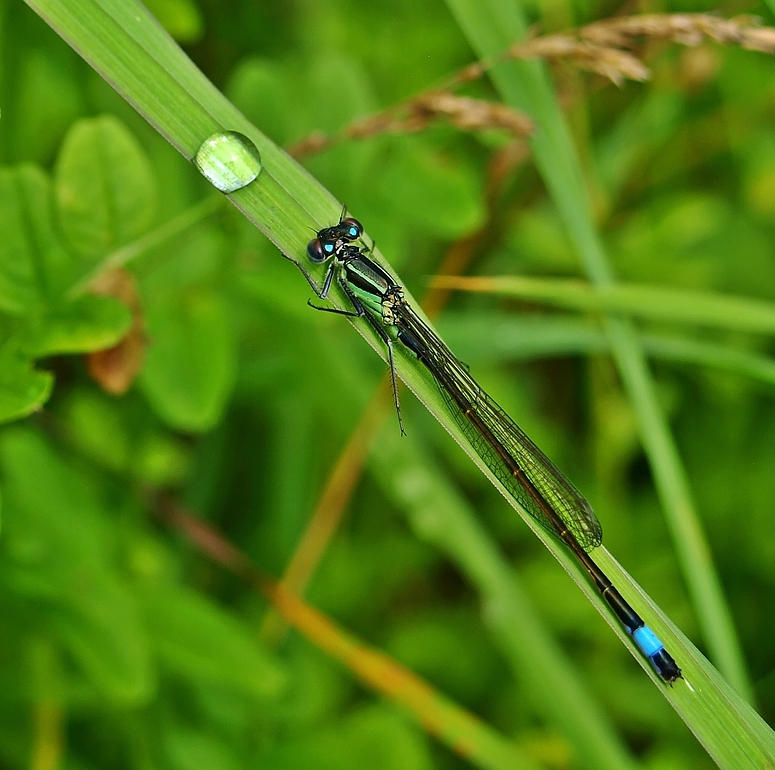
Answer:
(647, 640)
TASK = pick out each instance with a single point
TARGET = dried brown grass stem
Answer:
(604, 47)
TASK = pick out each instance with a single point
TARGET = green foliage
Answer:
(56, 561)
(119, 646)
(103, 196)
(191, 365)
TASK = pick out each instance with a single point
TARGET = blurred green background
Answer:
(120, 645)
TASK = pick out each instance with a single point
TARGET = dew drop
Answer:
(229, 160)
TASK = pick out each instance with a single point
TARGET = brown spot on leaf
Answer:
(115, 368)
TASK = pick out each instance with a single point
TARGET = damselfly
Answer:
(521, 467)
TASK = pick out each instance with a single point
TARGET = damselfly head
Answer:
(332, 240)
(345, 231)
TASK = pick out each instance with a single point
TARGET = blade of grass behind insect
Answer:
(495, 337)
(656, 303)
(491, 26)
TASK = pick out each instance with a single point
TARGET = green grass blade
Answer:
(656, 303)
(494, 337)
(491, 27)
(756, 367)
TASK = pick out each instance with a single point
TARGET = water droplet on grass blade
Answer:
(229, 160)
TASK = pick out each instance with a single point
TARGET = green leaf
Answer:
(85, 325)
(97, 430)
(197, 639)
(23, 389)
(376, 737)
(56, 534)
(191, 363)
(105, 187)
(380, 731)
(33, 263)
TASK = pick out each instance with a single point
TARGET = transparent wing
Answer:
(462, 394)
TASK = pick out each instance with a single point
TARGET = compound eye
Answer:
(354, 228)
(316, 251)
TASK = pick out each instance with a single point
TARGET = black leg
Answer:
(394, 383)
(323, 293)
(360, 312)
(391, 358)
(327, 282)
(337, 311)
